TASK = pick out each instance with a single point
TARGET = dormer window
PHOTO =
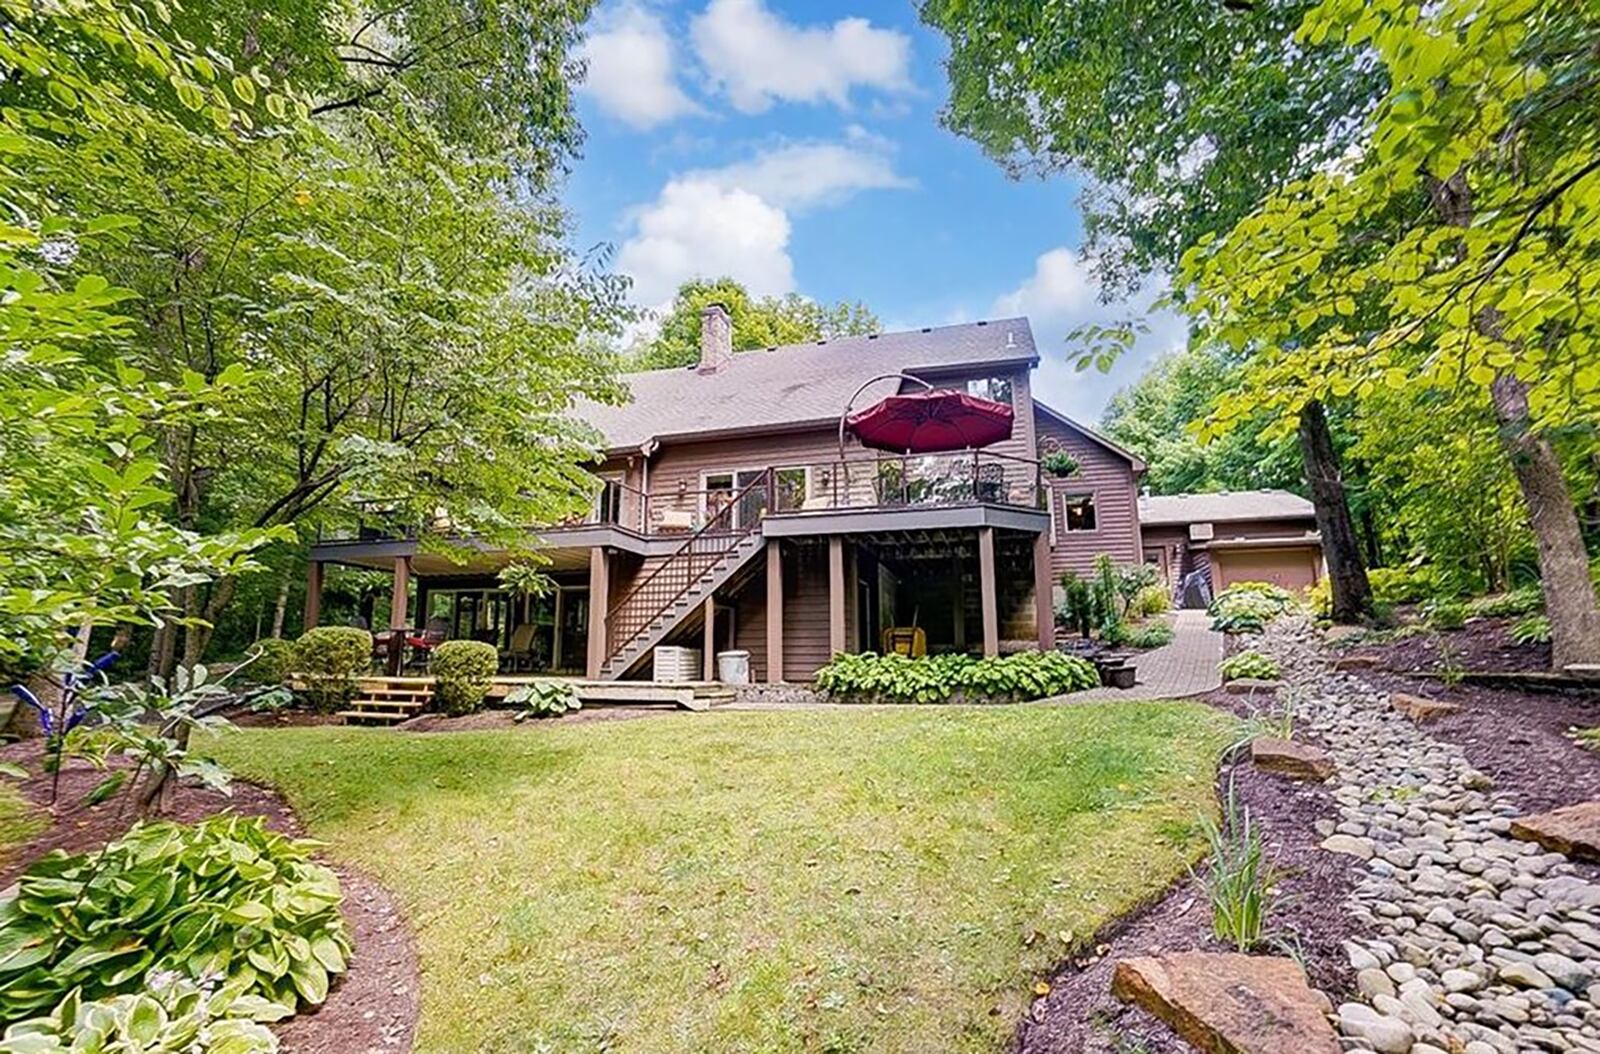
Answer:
(995, 389)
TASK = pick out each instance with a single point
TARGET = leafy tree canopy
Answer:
(758, 322)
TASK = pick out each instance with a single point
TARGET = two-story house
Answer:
(732, 512)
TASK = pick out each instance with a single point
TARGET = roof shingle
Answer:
(1223, 506)
(797, 383)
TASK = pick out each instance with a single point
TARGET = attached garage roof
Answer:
(1224, 506)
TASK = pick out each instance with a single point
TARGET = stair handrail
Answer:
(736, 538)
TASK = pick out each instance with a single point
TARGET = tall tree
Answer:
(1457, 250)
(1185, 114)
(758, 322)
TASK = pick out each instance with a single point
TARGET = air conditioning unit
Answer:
(674, 665)
(1202, 532)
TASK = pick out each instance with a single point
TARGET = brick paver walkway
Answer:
(1187, 666)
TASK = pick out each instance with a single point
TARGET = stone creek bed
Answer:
(1483, 942)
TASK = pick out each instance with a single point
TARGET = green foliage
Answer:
(225, 896)
(1445, 614)
(1247, 607)
(1402, 585)
(1531, 629)
(174, 1015)
(762, 322)
(1151, 635)
(463, 672)
(869, 677)
(543, 699)
(1152, 600)
(274, 660)
(1059, 463)
(1525, 600)
(1078, 609)
(1319, 597)
(1249, 665)
(1238, 878)
(331, 658)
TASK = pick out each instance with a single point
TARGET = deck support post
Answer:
(313, 594)
(708, 662)
(599, 603)
(988, 598)
(774, 611)
(836, 595)
(399, 597)
(1044, 609)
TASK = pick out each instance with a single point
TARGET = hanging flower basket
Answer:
(1059, 463)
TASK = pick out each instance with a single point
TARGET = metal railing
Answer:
(675, 576)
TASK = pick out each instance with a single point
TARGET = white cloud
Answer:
(757, 58)
(631, 68)
(735, 220)
(1059, 296)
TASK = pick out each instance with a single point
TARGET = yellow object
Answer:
(905, 640)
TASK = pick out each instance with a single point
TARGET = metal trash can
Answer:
(733, 667)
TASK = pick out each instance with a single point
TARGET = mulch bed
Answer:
(1482, 645)
(372, 1007)
(1079, 1013)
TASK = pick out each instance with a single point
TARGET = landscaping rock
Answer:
(1346, 663)
(1574, 830)
(1420, 708)
(1228, 1003)
(1383, 1033)
(1251, 686)
(1286, 757)
(1361, 848)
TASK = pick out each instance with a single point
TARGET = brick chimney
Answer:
(716, 338)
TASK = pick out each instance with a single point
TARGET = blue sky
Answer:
(796, 146)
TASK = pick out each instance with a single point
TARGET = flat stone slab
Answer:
(1355, 662)
(1420, 708)
(1573, 830)
(1251, 686)
(1228, 1003)
(1285, 757)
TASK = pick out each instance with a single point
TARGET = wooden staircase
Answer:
(388, 700)
(676, 588)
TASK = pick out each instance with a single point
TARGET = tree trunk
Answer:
(280, 608)
(1569, 597)
(1352, 596)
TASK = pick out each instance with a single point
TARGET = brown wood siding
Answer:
(805, 611)
(1109, 477)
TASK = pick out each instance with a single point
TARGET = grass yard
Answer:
(891, 879)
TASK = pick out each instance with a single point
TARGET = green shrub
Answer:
(1251, 664)
(223, 897)
(174, 1015)
(1152, 600)
(463, 671)
(1319, 597)
(543, 699)
(1059, 463)
(1115, 633)
(1247, 607)
(1077, 610)
(1239, 878)
(272, 660)
(1534, 629)
(1445, 614)
(935, 679)
(1151, 635)
(1402, 585)
(1524, 600)
(331, 658)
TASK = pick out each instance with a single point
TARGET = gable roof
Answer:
(798, 384)
(1224, 506)
(1123, 452)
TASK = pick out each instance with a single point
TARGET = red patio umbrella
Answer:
(931, 422)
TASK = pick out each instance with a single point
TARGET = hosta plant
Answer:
(1534, 629)
(225, 897)
(938, 678)
(1524, 600)
(1249, 664)
(1246, 607)
(543, 699)
(173, 1015)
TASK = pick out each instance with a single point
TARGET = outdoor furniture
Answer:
(676, 520)
(989, 484)
(520, 655)
(909, 641)
(435, 633)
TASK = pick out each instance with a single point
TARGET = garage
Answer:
(1291, 567)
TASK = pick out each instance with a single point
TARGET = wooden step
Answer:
(376, 717)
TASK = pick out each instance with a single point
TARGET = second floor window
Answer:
(995, 389)
(1078, 512)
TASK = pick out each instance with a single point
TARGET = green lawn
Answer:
(19, 821)
(890, 879)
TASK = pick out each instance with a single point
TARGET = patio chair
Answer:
(990, 483)
(435, 633)
(519, 656)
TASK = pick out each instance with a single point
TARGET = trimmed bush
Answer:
(274, 661)
(938, 678)
(1249, 664)
(331, 658)
(463, 671)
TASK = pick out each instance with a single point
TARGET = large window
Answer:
(1078, 512)
(996, 389)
